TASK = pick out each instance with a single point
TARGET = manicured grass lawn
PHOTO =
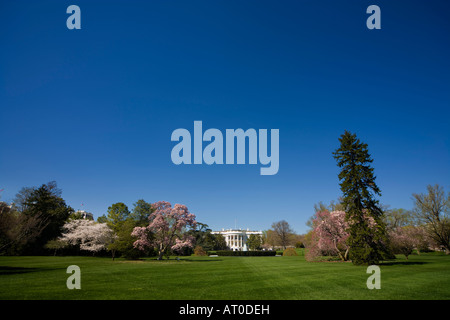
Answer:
(223, 278)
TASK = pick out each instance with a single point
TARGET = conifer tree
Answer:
(367, 233)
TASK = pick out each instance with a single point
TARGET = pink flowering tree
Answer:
(330, 233)
(401, 241)
(404, 240)
(167, 229)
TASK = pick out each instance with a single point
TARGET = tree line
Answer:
(39, 222)
(355, 228)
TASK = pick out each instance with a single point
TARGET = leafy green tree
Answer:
(116, 219)
(122, 221)
(141, 212)
(102, 219)
(56, 245)
(117, 214)
(367, 239)
(202, 235)
(254, 242)
(205, 239)
(208, 241)
(219, 242)
(123, 244)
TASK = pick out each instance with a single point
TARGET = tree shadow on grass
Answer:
(6, 270)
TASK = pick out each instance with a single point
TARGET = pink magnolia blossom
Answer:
(330, 234)
(167, 227)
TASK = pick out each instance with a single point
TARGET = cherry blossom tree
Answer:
(167, 229)
(89, 235)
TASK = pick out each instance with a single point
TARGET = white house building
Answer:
(85, 214)
(236, 239)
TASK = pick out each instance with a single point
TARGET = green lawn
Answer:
(251, 278)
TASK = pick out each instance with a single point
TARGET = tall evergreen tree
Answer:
(367, 232)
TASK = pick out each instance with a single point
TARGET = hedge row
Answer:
(245, 253)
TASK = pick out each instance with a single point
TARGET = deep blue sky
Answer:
(94, 109)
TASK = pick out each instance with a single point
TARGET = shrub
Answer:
(198, 251)
(290, 252)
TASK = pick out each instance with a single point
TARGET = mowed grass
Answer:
(223, 278)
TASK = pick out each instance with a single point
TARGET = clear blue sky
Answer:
(94, 109)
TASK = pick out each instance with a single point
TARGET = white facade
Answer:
(236, 239)
(85, 215)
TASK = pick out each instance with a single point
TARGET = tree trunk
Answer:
(343, 257)
(161, 251)
(447, 247)
(160, 255)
